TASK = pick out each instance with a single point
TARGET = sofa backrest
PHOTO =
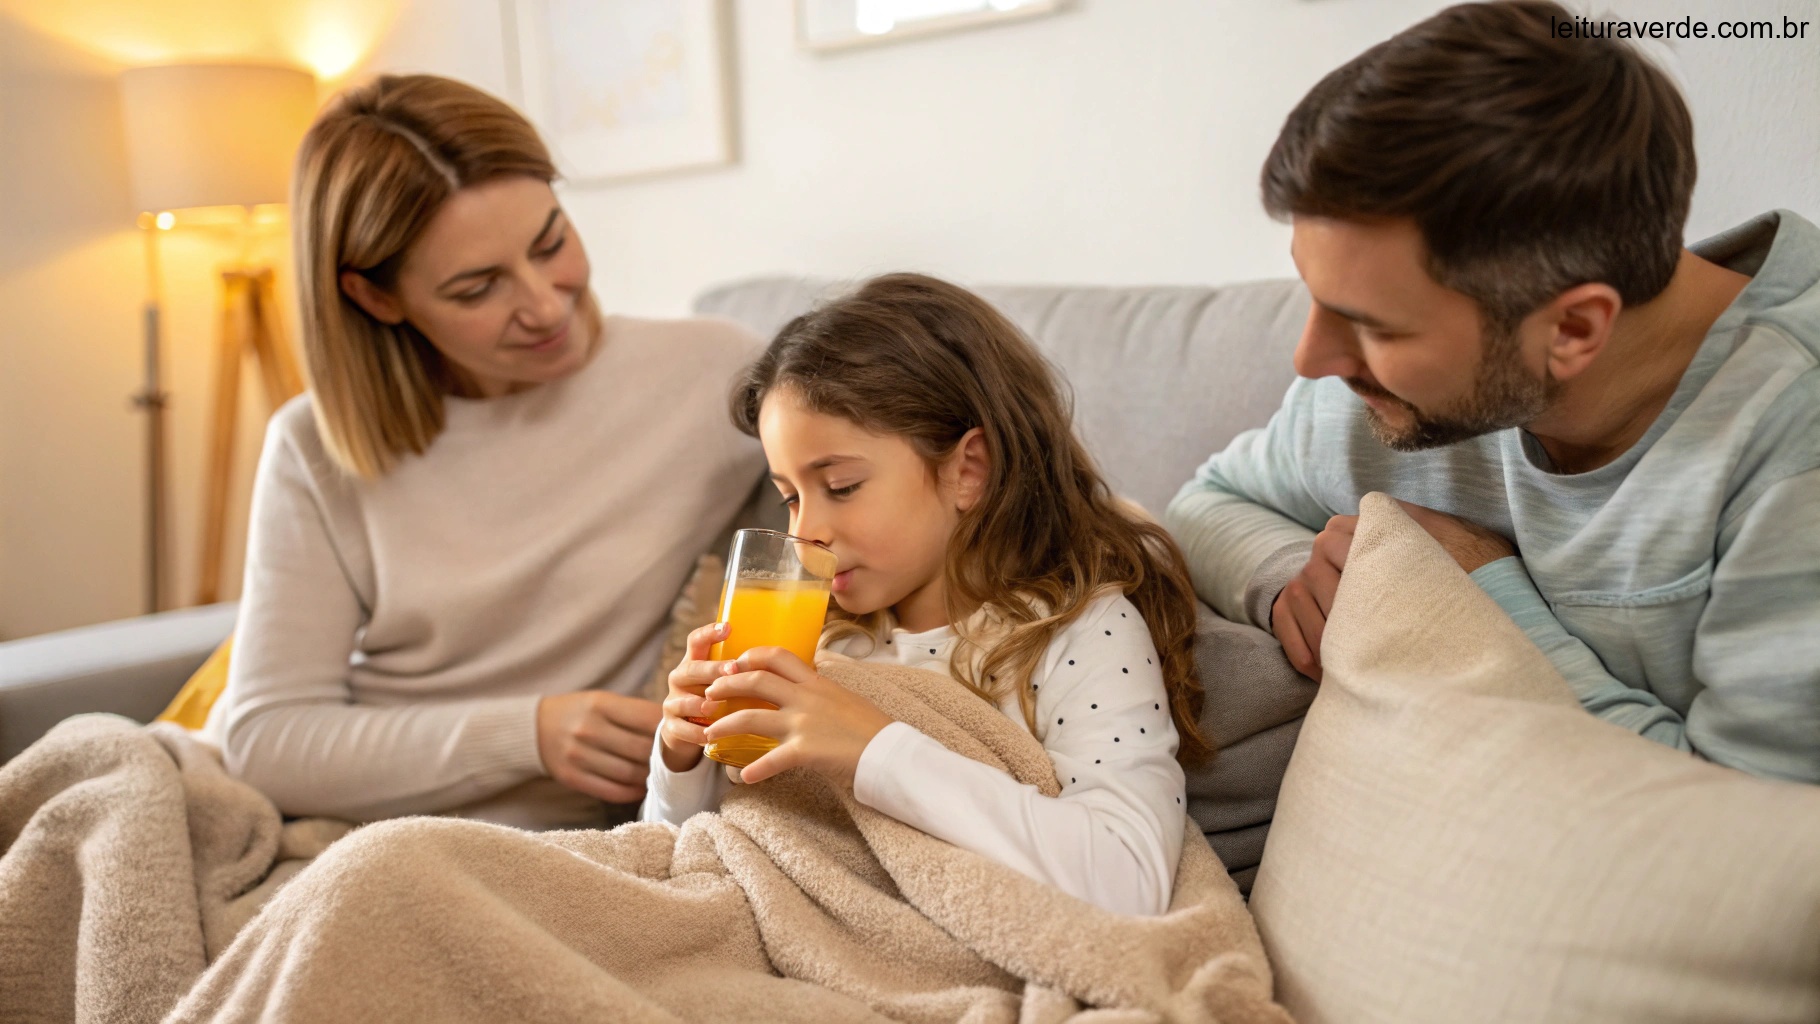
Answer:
(1162, 377)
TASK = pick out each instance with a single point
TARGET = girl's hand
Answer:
(684, 709)
(597, 743)
(816, 725)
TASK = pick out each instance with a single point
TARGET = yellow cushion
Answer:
(191, 706)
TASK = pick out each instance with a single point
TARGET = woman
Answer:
(466, 537)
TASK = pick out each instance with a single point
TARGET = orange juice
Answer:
(766, 613)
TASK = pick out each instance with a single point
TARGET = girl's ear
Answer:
(969, 467)
(378, 303)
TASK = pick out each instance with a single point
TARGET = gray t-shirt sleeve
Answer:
(1246, 507)
(1757, 645)
(1756, 648)
(1604, 695)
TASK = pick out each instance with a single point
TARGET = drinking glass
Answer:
(775, 595)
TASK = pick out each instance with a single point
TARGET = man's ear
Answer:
(376, 301)
(1578, 324)
(970, 466)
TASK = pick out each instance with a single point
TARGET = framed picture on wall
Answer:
(831, 25)
(628, 88)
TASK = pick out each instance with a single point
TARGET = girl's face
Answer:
(493, 283)
(885, 512)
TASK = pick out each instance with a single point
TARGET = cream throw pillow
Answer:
(1456, 840)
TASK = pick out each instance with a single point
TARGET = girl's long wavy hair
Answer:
(919, 358)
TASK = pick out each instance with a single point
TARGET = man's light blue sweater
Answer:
(1676, 588)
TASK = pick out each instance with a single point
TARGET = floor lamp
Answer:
(208, 136)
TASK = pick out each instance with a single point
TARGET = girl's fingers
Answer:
(751, 722)
(699, 673)
(703, 639)
(765, 686)
(681, 730)
(684, 706)
(779, 760)
(779, 661)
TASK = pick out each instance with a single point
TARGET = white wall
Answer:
(1116, 143)
(72, 281)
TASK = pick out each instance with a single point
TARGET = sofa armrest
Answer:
(132, 667)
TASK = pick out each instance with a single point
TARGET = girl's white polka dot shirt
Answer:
(1114, 835)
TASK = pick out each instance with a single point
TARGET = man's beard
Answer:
(1503, 396)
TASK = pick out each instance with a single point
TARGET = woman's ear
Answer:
(378, 303)
(970, 466)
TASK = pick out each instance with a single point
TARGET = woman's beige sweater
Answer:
(395, 635)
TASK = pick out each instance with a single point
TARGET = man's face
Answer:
(1413, 350)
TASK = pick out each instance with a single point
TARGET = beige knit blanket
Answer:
(128, 861)
(794, 903)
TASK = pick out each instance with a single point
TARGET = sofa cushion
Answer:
(1162, 377)
(1456, 839)
(1252, 713)
(132, 667)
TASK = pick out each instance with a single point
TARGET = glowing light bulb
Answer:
(165, 220)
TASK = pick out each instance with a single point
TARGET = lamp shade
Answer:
(213, 134)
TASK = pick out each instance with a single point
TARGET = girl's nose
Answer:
(809, 524)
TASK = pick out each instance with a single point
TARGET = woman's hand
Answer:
(816, 725)
(597, 743)
(684, 709)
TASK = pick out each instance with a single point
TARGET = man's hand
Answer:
(598, 743)
(817, 724)
(1299, 615)
(1470, 544)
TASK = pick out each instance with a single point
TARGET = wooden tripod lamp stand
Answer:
(250, 327)
(200, 137)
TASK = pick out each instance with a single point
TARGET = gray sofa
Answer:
(1161, 377)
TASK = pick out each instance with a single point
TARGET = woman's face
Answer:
(493, 283)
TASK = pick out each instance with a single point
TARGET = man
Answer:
(1616, 436)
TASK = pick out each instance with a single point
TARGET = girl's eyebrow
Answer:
(824, 462)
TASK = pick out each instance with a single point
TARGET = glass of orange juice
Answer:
(776, 595)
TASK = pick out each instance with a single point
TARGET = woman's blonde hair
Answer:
(928, 361)
(375, 167)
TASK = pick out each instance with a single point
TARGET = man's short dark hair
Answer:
(1530, 161)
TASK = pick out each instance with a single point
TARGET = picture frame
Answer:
(625, 90)
(832, 26)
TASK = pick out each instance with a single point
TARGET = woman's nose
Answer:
(1328, 347)
(544, 304)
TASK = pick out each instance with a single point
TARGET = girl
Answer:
(915, 432)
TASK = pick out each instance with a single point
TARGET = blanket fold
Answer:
(793, 903)
(128, 860)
